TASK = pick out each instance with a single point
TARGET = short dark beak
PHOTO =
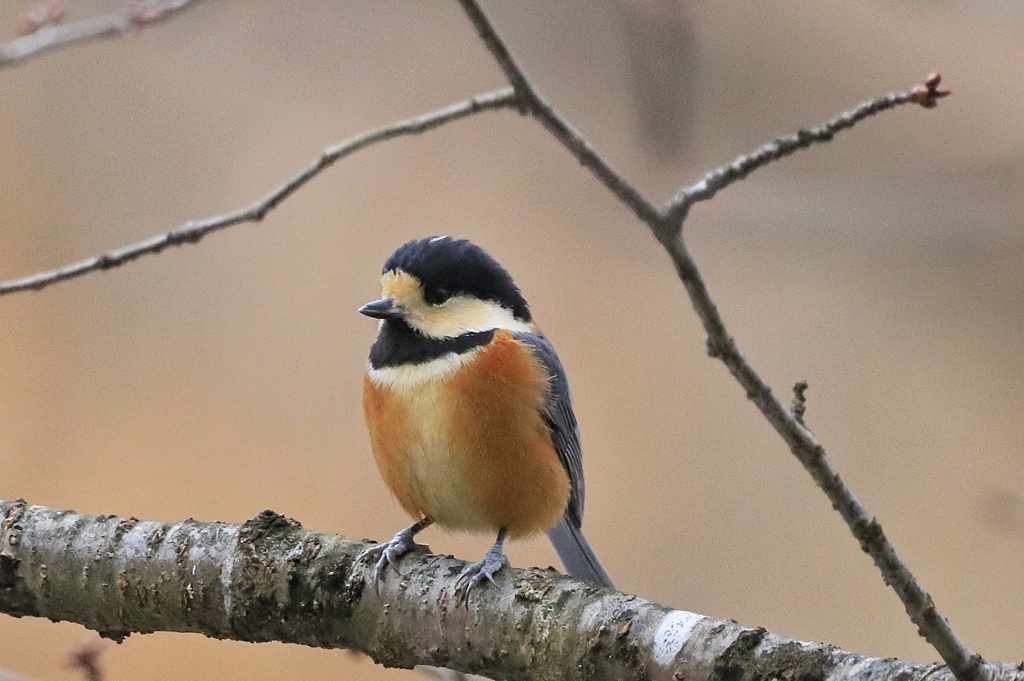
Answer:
(385, 308)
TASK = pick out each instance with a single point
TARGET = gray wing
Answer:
(559, 416)
(566, 536)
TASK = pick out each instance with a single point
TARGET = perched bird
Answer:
(468, 407)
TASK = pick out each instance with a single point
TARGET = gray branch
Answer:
(191, 232)
(50, 36)
(271, 580)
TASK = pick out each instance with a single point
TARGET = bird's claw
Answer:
(485, 568)
(388, 553)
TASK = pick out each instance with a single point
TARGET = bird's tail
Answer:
(579, 559)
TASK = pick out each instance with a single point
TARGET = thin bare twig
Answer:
(538, 107)
(675, 211)
(965, 664)
(191, 232)
(666, 224)
(48, 35)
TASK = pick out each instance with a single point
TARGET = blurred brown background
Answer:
(218, 380)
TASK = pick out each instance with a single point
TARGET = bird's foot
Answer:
(389, 552)
(485, 568)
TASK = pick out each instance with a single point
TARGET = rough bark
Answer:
(271, 580)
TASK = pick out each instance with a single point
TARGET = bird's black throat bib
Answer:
(398, 344)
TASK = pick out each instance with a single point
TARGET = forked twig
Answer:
(666, 225)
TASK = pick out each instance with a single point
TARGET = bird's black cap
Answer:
(448, 267)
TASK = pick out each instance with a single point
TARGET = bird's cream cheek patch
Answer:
(673, 631)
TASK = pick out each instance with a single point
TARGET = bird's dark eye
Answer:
(436, 296)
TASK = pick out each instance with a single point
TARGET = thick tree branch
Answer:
(48, 35)
(666, 225)
(271, 580)
(192, 232)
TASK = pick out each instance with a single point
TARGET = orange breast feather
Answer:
(518, 481)
(386, 417)
(472, 450)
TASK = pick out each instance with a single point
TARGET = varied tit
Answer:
(470, 418)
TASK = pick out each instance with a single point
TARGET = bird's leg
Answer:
(399, 545)
(488, 566)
